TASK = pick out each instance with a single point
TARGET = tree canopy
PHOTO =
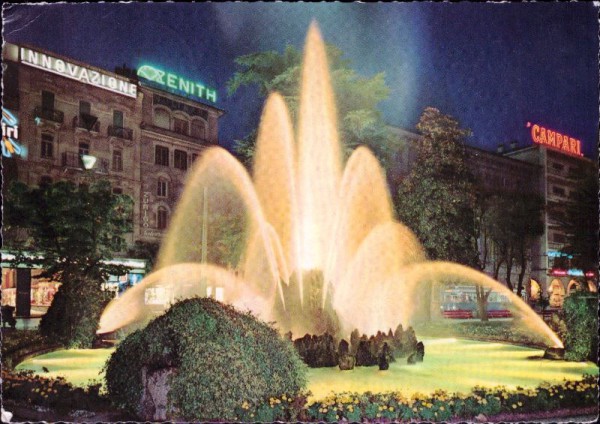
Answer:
(66, 229)
(509, 225)
(356, 96)
(437, 199)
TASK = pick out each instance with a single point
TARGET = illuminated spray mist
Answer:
(304, 242)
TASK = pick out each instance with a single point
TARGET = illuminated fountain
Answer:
(306, 242)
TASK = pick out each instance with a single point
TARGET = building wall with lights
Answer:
(79, 123)
(538, 169)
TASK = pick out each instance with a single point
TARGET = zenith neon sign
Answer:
(555, 140)
(176, 82)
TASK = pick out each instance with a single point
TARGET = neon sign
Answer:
(176, 82)
(555, 140)
(572, 272)
(78, 73)
(10, 135)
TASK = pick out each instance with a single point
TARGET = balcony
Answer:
(87, 122)
(49, 114)
(120, 132)
(71, 160)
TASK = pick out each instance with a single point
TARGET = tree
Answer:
(511, 223)
(357, 96)
(437, 198)
(70, 232)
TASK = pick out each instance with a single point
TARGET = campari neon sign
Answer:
(555, 140)
(10, 135)
(175, 82)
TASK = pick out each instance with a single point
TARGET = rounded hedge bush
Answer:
(223, 357)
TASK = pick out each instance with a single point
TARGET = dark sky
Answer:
(492, 66)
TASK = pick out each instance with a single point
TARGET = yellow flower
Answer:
(514, 406)
(441, 408)
(520, 403)
(391, 409)
(284, 397)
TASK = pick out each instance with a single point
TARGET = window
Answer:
(559, 191)
(558, 166)
(45, 180)
(180, 159)
(162, 118)
(198, 129)
(161, 218)
(84, 108)
(84, 149)
(161, 155)
(118, 121)
(117, 160)
(47, 146)
(117, 190)
(180, 126)
(47, 101)
(162, 187)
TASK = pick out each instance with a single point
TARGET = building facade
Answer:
(538, 169)
(67, 120)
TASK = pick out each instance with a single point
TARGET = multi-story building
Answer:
(67, 120)
(540, 169)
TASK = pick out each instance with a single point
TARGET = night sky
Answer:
(492, 66)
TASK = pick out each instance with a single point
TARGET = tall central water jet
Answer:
(300, 243)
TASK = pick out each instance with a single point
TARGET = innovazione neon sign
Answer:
(555, 140)
(176, 82)
(79, 73)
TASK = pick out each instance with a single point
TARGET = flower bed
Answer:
(51, 393)
(438, 406)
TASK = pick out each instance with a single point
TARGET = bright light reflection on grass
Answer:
(453, 365)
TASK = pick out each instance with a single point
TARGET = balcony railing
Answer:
(120, 132)
(71, 160)
(49, 114)
(87, 122)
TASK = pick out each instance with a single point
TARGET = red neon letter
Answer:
(534, 133)
(551, 137)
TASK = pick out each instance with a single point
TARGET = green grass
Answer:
(454, 365)
(450, 364)
(80, 367)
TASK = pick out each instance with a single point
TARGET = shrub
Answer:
(581, 319)
(223, 358)
(73, 316)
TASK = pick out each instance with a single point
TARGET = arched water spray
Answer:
(308, 247)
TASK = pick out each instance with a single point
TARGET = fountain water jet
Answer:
(308, 246)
